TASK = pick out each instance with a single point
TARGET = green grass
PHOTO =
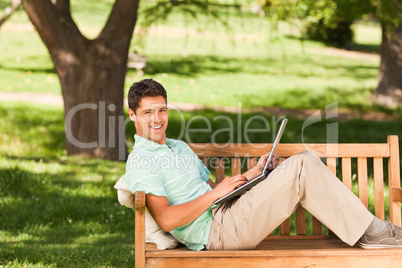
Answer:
(200, 62)
(57, 211)
(63, 213)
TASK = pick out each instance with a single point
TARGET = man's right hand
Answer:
(228, 185)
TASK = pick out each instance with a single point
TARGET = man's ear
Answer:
(132, 115)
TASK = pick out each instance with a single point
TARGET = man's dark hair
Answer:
(144, 88)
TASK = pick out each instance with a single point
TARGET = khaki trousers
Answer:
(300, 180)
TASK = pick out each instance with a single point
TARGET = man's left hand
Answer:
(263, 159)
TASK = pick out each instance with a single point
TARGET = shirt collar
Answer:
(143, 143)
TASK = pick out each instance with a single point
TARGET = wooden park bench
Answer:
(300, 249)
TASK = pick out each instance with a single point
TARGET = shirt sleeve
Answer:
(140, 178)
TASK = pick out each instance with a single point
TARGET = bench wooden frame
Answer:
(298, 250)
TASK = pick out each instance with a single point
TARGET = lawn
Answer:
(62, 211)
(201, 62)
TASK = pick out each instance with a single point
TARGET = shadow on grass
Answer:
(33, 69)
(82, 255)
(352, 99)
(40, 131)
(303, 66)
(351, 46)
(61, 219)
(367, 48)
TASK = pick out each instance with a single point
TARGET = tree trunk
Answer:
(389, 90)
(91, 73)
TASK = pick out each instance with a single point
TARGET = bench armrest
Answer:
(139, 229)
(140, 201)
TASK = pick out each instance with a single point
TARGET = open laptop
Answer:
(264, 174)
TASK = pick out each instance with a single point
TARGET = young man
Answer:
(180, 195)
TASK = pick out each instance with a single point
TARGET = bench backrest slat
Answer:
(331, 164)
(285, 227)
(239, 155)
(300, 221)
(379, 187)
(289, 149)
(347, 172)
(220, 169)
(362, 179)
(394, 178)
(236, 166)
(317, 226)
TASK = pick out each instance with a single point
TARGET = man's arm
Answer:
(255, 171)
(169, 217)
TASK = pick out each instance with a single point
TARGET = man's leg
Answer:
(301, 180)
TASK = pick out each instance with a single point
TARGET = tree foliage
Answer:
(330, 20)
(159, 11)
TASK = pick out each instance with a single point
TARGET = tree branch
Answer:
(63, 6)
(53, 22)
(9, 11)
(121, 21)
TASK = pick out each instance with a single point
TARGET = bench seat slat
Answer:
(301, 247)
(279, 260)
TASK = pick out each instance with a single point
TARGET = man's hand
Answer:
(228, 185)
(263, 159)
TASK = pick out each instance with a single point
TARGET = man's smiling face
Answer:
(151, 119)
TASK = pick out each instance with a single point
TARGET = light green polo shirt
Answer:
(172, 170)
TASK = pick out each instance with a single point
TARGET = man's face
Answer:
(151, 119)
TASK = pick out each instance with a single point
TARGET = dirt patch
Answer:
(37, 98)
(343, 114)
(347, 53)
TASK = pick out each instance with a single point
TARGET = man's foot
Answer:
(391, 237)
